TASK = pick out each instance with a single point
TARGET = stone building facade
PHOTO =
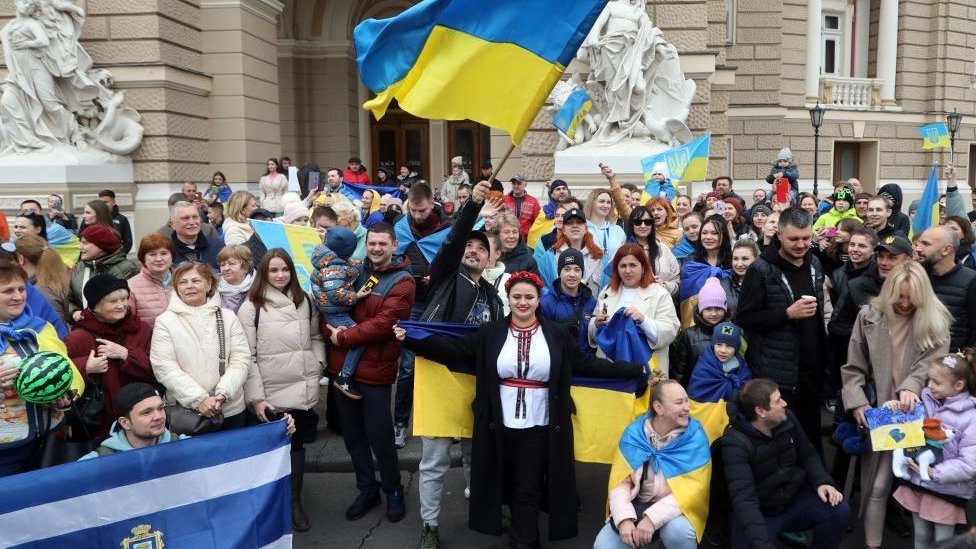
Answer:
(226, 84)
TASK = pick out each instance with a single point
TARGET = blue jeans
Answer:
(829, 524)
(354, 353)
(676, 534)
(403, 404)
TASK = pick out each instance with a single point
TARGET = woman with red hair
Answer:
(665, 222)
(632, 292)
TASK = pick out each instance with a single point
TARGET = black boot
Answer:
(299, 520)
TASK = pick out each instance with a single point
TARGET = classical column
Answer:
(814, 18)
(240, 52)
(862, 30)
(888, 50)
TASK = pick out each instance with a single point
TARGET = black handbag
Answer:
(187, 421)
(88, 411)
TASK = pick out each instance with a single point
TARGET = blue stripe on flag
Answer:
(254, 518)
(927, 215)
(121, 469)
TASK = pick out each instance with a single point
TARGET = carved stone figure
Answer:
(52, 97)
(644, 92)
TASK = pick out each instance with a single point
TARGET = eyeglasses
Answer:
(644, 222)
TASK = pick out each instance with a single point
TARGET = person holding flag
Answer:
(659, 481)
(523, 430)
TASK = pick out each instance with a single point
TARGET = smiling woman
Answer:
(109, 344)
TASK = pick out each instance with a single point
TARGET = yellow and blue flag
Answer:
(894, 429)
(689, 162)
(572, 113)
(710, 388)
(542, 226)
(685, 463)
(443, 394)
(65, 243)
(693, 277)
(934, 136)
(927, 214)
(491, 62)
(297, 240)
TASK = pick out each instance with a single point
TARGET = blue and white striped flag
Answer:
(223, 490)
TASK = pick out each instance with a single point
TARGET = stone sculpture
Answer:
(641, 92)
(53, 98)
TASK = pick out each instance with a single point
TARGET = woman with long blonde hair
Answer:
(45, 270)
(894, 340)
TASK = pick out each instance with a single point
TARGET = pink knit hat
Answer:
(712, 295)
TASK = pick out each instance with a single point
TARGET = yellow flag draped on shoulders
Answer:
(685, 463)
(491, 62)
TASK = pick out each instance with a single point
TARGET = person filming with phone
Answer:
(57, 214)
(781, 308)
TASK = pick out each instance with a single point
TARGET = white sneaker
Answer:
(467, 493)
(323, 381)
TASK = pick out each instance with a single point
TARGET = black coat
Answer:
(765, 474)
(483, 348)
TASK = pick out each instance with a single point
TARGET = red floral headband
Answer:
(523, 276)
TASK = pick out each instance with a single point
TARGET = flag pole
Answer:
(501, 163)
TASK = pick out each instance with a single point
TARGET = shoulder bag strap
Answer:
(222, 343)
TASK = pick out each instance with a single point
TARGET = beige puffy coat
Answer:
(184, 355)
(287, 352)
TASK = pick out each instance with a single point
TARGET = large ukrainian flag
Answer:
(443, 394)
(491, 62)
(685, 463)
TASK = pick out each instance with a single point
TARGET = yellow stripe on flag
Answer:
(441, 401)
(540, 227)
(601, 415)
(526, 79)
(713, 416)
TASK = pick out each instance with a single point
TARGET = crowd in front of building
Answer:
(779, 307)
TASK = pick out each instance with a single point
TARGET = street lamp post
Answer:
(953, 120)
(816, 120)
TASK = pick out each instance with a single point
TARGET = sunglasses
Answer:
(644, 222)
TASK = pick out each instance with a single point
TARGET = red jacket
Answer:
(530, 210)
(361, 177)
(131, 333)
(375, 316)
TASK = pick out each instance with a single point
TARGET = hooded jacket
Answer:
(573, 312)
(184, 355)
(117, 442)
(114, 264)
(898, 219)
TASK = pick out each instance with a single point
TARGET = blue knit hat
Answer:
(728, 333)
(342, 241)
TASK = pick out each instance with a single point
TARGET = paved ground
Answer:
(330, 492)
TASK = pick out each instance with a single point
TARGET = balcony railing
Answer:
(858, 94)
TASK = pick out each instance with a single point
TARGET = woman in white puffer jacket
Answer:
(287, 352)
(185, 349)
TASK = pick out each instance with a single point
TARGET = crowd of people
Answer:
(778, 309)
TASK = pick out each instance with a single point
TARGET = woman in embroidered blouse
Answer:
(273, 186)
(523, 432)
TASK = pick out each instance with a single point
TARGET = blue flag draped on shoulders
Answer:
(693, 277)
(189, 493)
(429, 245)
(685, 463)
(710, 388)
(443, 394)
(440, 58)
(354, 191)
(927, 214)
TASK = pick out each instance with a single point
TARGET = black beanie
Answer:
(569, 256)
(100, 286)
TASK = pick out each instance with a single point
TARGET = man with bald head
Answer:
(954, 284)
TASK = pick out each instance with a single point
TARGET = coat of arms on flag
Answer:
(144, 537)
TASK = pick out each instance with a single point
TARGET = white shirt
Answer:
(524, 408)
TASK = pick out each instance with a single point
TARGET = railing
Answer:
(859, 94)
